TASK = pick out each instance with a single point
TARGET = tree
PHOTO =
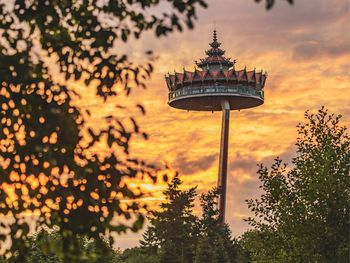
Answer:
(216, 239)
(213, 233)
(204, 252)
(49, 165)
(136, 255)
(174, 229)
(303, 214)
(176, 235)
(47, 247)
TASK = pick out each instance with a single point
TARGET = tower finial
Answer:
(215, 38)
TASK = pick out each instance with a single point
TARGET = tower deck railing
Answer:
(239, 89)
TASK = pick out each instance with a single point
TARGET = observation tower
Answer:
(215, 85)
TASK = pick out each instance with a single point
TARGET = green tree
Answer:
(303, 214)
(176, 235)
(136, 255)
(216, 239)
(47, 247)
(205, 252)
(174, 229)
(150, 244)
(212, 231)
(49, 164)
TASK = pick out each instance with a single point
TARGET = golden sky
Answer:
(305, 50)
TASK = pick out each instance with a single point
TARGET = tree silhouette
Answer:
(49, 165)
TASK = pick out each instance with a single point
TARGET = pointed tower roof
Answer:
(215, 47)
(215, 56)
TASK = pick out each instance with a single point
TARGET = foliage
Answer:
(174, 229)
(303, 215)
(136, 255)
(176, 235)
(204, 252)
(270, 3)
(49, 164)
(47, 247)
(48, 167)
(217, 236)
(213, 233)
(212, 241)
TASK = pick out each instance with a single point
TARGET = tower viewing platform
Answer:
(215, 79)
(217, 86)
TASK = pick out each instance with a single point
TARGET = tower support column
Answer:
(222, 178)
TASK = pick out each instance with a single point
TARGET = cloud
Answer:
(186, 165)
(286, 156)
(246, 165)
(318, 49)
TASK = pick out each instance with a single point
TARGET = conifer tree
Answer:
(169, 254)
(174, 229)
(150, 242)
(205, 252)
(175, 235)
(218, 236)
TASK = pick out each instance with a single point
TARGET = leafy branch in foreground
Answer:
(49, 164)
(270, 3)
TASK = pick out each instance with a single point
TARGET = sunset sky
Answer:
(305, 50)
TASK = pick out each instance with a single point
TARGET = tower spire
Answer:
(215, 59)
(215, 38)
(215, 44)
